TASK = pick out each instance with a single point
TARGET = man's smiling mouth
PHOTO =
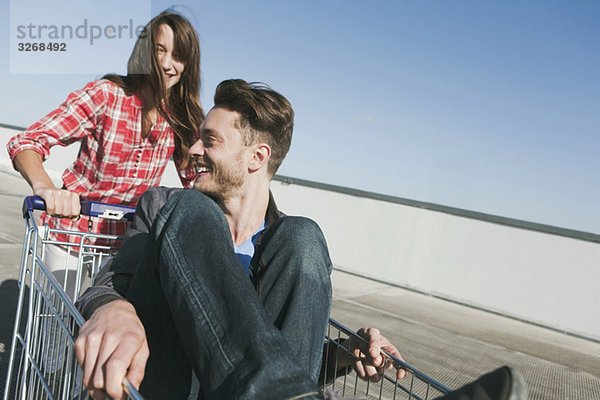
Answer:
(201, 169)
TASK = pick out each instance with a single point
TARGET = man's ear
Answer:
(260, 157)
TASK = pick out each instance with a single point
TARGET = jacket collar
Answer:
(273, 213)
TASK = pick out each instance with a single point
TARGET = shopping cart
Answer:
(42, 362)
(343, 379)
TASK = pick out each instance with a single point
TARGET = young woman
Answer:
(128, 128)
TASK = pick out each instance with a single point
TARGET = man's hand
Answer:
(59, 202)
(370, 363)
(111, 345)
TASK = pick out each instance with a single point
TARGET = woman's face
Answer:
(170, 63)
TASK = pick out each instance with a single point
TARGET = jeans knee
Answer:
(190, 205)
(189, 212)
(190, 199)
(305, 241)
(300, 232)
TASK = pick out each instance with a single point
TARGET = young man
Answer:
(216, 280)
(179, 290)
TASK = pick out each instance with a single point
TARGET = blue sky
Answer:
(485, 105)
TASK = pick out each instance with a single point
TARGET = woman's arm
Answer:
(59, 202)
(71, 122)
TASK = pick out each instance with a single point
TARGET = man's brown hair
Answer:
(265, 116)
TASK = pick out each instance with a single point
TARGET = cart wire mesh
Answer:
(43, 364)
(341, 343)
(42, 361)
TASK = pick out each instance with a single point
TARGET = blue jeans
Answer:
(201, 311)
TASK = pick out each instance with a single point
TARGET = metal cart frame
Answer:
(415, 385)
(42, 362)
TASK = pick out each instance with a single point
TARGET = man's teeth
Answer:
(202, 169)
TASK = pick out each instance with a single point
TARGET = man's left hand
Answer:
(370, 362)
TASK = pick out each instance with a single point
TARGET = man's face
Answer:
(220, 156)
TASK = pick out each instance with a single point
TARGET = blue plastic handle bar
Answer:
(89, 208)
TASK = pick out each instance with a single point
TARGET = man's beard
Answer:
(225, 179)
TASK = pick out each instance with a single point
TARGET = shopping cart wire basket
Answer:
(342, 378)
(42, 361)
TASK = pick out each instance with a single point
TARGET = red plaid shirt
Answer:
(115, 164)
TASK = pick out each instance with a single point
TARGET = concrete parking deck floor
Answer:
(452, 343)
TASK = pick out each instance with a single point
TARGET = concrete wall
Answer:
(539, 277)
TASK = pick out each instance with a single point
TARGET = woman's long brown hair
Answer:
(182, 108)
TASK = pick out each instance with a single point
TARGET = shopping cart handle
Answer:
(89, 208)
(33, 203)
